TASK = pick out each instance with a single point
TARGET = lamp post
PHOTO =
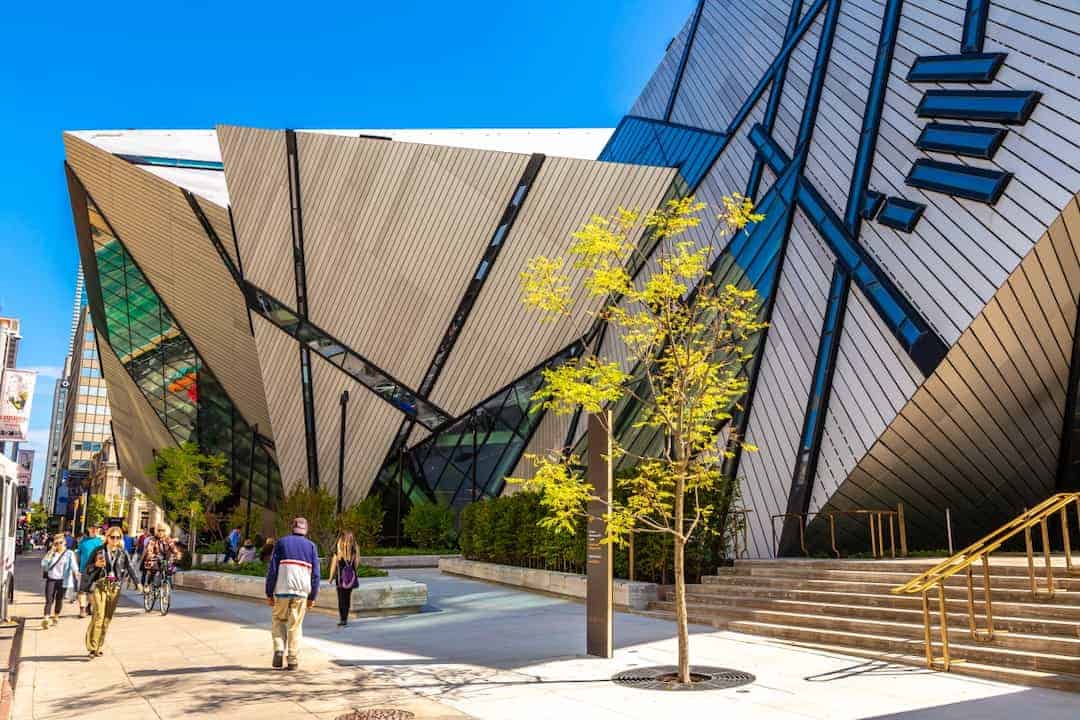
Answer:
(251, 480)
(341, 452)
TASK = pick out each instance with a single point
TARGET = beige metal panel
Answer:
(219, 220)
(549, 435)
(393, 233)
(279, 360)
(158, 227)
(502, 340)
(256, 172)
(136, 427)
(370, 426)
(981, 435)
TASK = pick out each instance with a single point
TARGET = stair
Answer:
(846, 606)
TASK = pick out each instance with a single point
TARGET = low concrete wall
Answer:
(633, 595)
(403, 561)
(373, 596)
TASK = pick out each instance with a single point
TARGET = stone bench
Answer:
(633, 595)
(373, 596)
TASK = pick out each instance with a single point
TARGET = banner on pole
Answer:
(16, 396)
(26, 467)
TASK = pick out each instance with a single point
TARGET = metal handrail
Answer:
(876, 526)
(980, 550)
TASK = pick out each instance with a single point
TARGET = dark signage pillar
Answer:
(599, 623)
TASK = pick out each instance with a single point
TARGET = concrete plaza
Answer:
(478, 650)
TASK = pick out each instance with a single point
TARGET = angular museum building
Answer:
(343, 306)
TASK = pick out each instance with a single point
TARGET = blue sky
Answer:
(74, 65)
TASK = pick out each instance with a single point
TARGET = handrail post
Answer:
(903, 529)
(1066, 546)
(1046, 556)
(880, 535)
(873, 543)
(986, 597)
(946, 660)
(832, 534)
(926, 630)
(892, 537)
(802, 535)
(1031, 563)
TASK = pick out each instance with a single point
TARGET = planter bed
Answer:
(388, 562)
(628, 595)
(373, 596)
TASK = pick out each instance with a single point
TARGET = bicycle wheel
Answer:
(148, 598)
(166, 597)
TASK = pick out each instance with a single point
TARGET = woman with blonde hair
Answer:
(343, 573)
(105, 572)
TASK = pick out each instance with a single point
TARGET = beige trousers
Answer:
(287, 627)
(105, 596)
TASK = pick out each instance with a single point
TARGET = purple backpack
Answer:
(346, 575)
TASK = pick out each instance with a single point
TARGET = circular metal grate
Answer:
(377, 714)
(663, 677)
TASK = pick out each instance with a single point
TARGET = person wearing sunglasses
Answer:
(106, 570)
(60, 570)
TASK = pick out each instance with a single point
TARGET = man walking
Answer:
(84, 550)
(232, 544)
(292, 584)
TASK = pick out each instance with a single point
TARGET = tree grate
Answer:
(662, 677)
(377, 714)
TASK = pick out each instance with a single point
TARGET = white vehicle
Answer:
(9, 515)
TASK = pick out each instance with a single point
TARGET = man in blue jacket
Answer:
(292, 584)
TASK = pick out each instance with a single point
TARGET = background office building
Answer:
(355, 311)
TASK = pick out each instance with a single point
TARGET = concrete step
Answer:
(838, 644)
(880, 574)
(861, 587)
(1000, 564)
(956, 603)
(723, 617)
(958, 618)
(1033, 678)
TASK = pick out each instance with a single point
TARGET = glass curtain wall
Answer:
(182, 390)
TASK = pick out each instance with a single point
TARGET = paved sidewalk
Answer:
(209, 658)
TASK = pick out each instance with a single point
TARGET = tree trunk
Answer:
(680, 610)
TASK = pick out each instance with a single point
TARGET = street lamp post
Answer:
(341, 452)
(251, 480)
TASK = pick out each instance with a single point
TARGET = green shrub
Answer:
(257, 568)
(430, 525)
(365, 520)
(318, 507)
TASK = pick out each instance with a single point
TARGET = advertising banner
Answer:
(16, 395)
(26, 467)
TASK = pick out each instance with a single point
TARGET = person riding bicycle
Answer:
(158, 552)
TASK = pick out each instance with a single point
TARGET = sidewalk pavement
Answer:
(208, 658)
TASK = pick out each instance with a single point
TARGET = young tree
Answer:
(190, 486)
(687, 340)
(319, 507)
(39, 519)
(97, 509)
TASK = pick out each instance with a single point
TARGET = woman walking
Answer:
(343, 573)
(61, 571)
(105, 572)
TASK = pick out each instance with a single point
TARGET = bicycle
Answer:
(159, 590)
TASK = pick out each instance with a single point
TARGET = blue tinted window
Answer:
(960, 180)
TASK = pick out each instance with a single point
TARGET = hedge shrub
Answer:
(430, 525)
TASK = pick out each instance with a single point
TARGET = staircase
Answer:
(847, 606)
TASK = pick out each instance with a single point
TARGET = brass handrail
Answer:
(876, 527)
(980, 550)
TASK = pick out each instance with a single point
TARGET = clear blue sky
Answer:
(76, 65)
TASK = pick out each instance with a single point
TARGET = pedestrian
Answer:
(292, 584)
(232, 544)
(69, 540)
(267, 550)
(343, 573)
(247, 553)
(85, 549)
(105, 572)
(60, 570)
